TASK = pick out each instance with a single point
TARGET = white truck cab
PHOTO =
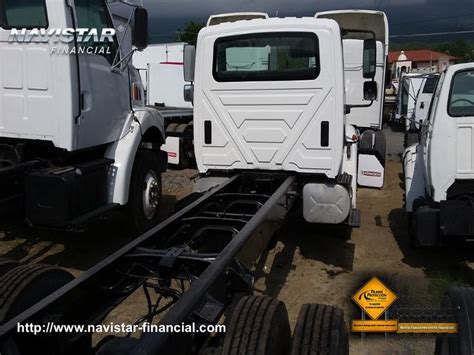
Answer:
(423, 100)
(422, 103)
(409, 88)
(440, 170)
(75, 138)
(269, 97)
(365, 112)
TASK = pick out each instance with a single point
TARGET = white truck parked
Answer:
(439, 170)
(161, 68)
(421, 110)
(409, 87)
(269, 96)
(74, 140)
(365, 113)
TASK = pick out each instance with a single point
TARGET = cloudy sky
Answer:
(405, 16)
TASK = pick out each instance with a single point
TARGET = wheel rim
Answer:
(151, 195)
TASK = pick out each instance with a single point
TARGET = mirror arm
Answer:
(421, 124)
(126, 58)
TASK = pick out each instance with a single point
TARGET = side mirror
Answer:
(189, 93)
(370, 91)
(140, 29)
(370, 59)
(189, 63)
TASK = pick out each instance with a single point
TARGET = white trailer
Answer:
(284, 112)
(365, 113)
(75, 140)
(439, 170)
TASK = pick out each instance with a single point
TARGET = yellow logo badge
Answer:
(374, 298)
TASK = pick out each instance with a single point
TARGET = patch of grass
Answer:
(442, 281)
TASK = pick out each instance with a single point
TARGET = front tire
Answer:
(145, 192)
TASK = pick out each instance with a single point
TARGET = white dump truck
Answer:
(269, 97)
(75, 139)
(439, 170)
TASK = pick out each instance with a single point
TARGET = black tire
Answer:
(184, 160)
(6, 265)
(375, 143)
(366, 141)
(447, 345)
(25, 285)
(113, 345)
(462, 301)
(412, 230)
(320, 329)
(145, 162)
(381, 146)
(259, 326)
(188, 146)
(21, 288)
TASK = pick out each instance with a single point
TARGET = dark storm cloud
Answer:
(405, 16)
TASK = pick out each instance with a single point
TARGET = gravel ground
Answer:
(309, 264)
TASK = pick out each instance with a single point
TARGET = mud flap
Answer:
(370, 172)
(371, 167)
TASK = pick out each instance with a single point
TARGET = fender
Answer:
(414, 175)
(124, 150)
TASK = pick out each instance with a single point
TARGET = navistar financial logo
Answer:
(89, 40)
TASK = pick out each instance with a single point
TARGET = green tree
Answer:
(190, 32)
(460, 49)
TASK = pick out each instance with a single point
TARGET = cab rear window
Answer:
(461, 100)
(23, 14)
(267, 57)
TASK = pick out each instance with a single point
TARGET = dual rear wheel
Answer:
(259, 325)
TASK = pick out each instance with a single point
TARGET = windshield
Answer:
(267, 56)
(23, 14)
(461, 101)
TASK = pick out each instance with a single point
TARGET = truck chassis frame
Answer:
(207, 249)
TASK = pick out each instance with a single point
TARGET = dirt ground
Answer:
(308, 264)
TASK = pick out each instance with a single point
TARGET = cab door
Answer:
(450, 142)
(427, 132)
(105, 93)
